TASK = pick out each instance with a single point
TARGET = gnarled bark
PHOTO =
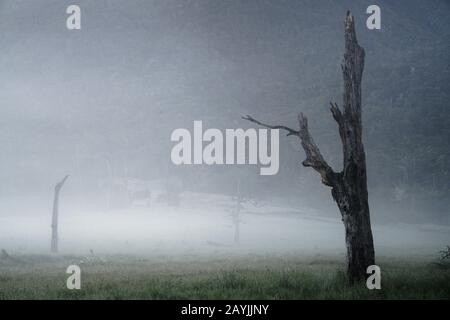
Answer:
(348, 187)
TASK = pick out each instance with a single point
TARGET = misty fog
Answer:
(100, 104)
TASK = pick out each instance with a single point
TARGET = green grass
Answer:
(237, 277)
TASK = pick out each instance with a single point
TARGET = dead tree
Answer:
(348, 187)
(240, 201)
(54, 244)
(236, 212)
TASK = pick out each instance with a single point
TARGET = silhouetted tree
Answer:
(348, 187)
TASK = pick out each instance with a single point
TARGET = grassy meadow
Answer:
(216, 277)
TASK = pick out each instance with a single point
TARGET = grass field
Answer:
(189, 253)
(216, 277)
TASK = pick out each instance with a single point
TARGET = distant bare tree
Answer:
(54, 244)
(236, 211)
(348, 187)
(239, 202)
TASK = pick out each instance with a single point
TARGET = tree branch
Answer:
(291, 132)
(340, 119)
(337, 114)
(314, 158)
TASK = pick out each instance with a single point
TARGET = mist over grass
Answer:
(217, 277)
(202, 224)
(189, 252)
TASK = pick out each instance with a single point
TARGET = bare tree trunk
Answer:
(348, 187)
(236, 229)
(54, 243)
(237, 212)
(110, 179)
